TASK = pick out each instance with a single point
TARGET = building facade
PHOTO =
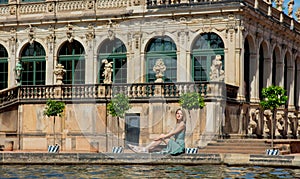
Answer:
(257, 43)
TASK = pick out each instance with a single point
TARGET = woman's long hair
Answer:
(183, 114)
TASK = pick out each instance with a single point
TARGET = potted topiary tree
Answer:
(117, 107)
(273, 97)
(53, 109)
(190, 101)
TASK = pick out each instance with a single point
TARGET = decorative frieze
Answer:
(33, 8)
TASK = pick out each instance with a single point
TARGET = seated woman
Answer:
(175, 145)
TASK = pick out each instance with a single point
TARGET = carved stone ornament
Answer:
(90, 35)
(12, 10)
(59, 72)
(69, 33)
(159, 68)
(50, 7)
(111, 34)
(31, 34)
(90, 4)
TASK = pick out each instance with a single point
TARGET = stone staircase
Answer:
(242, 146)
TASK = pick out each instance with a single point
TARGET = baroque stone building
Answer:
(226, 50)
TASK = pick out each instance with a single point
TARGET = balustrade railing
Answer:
(8, 97)
(105, 91)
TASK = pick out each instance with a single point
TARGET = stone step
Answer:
(239, 144)
(240, 151)
(238, 147)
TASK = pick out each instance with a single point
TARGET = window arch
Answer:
(3, 68)
(72, 57)
(113, 51)
(34, 64)
(204, 50)
(163, 48)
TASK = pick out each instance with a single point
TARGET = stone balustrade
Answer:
(106, 91)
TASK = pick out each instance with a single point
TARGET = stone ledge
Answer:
(153, 159)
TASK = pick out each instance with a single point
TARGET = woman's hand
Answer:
(161, 137)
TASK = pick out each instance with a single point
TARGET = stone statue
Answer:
(291, 117)
(267, 117)
(216, 72)
(279, 123)
(291, 8)
(279, 4)
(159, 68)
(297, 14)
(252, 125)
(59, 72)
(107, 71)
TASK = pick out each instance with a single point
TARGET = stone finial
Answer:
(159, 68)
(216, 72)
(290, 8)
(107, 71)
(59, 72)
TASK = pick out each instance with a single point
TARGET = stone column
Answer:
(290, 87)
(12, 61)
(253, 77)
(215, 109)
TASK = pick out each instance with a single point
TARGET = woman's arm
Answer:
(178, 129)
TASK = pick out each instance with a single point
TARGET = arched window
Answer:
(113, 51)
(34, 64)
(3, 68)
(72, 57)
(161, 48)
(3, 1)
(204, 50)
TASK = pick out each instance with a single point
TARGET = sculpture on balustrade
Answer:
(59, 72)
(279, 4)
(267, 120)
(252, 125)
(297, 14)
(279, 124)
(159, 69)
(216, 72)
(291, 8)
(107, 71)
